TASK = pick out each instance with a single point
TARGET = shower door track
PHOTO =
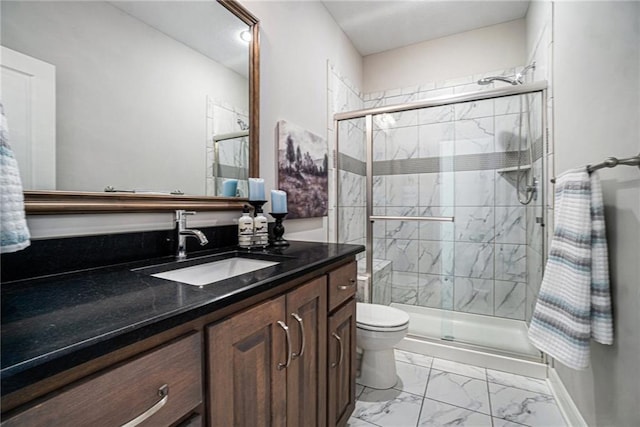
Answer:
(445, 100)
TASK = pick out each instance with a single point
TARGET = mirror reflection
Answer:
(132, 96)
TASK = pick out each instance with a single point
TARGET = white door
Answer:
(28, 93)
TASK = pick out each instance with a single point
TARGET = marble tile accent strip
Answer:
(465, 162)
(228, 171)
(349, 164)
(411, 166)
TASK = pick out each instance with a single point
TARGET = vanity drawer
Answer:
(123, 393)
(342, 284)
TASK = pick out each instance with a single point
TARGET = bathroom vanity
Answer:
(119, 346)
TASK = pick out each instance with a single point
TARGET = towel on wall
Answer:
(574, 302)
(14, 234)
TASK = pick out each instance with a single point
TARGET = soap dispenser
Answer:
(260, 228)
(245, 228)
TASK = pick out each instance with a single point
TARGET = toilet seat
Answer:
(381, 318)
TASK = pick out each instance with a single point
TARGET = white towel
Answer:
(14, 234)
(574, 302)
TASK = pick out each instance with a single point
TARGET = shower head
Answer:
(489, 80)
(517, 80)
(521, 74)
(243, 125)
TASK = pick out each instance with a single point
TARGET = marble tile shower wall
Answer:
(480, 263)
(477, 264)
(233, 154)
(350, 211)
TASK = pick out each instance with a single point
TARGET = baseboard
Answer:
(569, 409)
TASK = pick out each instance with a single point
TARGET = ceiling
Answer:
(376, 26)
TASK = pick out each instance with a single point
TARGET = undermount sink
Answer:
(211, 272)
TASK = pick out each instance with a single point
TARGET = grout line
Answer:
(489, 399)
(460, 407)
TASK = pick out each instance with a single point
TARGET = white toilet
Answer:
(379, 329)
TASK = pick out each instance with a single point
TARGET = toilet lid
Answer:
(380, 317)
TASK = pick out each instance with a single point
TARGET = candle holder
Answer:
(256, 204)
(278, 230)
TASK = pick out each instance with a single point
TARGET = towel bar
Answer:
(611, 162)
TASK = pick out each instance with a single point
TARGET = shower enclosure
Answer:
(435, 189)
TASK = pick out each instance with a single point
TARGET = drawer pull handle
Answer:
(286, 332)
(352, 282)
(337, 337)
(163, 393)
(302, 340)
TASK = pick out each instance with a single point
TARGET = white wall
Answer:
(597, 106)
(296, 40)
(478, 51)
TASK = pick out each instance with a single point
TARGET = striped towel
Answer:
(14, 234)
(574, 303)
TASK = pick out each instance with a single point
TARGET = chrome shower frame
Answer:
(367, 114)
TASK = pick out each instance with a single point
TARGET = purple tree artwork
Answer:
(303, 164)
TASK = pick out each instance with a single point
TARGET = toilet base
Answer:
(378, 369)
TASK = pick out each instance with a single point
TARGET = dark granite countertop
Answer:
(54, 323)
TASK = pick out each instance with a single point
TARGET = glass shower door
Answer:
(412, 207)
(432, 194)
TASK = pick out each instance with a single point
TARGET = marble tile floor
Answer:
(437, 392)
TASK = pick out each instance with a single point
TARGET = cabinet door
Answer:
(306, 376)
(342, 364)
(247, 386)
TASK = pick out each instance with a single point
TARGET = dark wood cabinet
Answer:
(342, 364)
(285, 357)
(247, 384)
(267, 364)
(307, 374)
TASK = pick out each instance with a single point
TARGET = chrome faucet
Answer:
(184, 232)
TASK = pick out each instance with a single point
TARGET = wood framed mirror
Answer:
(65, 198)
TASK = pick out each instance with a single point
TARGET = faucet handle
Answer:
(181, 215)
(182, 212)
